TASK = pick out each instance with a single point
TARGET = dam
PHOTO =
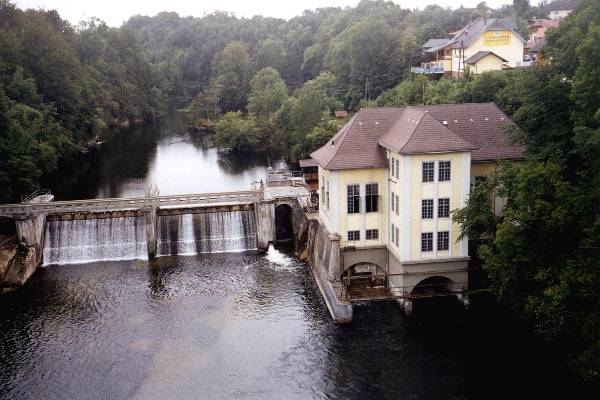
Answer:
(142, 228)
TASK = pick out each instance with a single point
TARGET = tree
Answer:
(237, 133)
(362, 56)
(233, 69)
(271, 53)
(267, 94)
(542, 255)
(320, 135)
(60, 86)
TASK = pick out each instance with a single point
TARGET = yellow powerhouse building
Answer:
(388, 182)
(483, 45)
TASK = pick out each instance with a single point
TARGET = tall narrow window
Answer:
(392, 167)
(327, 195)
(397, 168)
(392, 231)
(444, 171)
(427, 208)
(444, 208)
(397, 237)
(372, 197)
(443, 240)
(392, 201)
(427, 241)
(353, 199)
(397, 205)
(323, 195)
(428, 168)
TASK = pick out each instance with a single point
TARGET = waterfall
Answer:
(106, 239)
(212, 232)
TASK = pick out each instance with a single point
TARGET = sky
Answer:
(115, 12)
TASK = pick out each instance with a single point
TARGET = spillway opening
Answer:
(206, 232)
(284, 228)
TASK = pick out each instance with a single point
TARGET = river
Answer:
(163, 154)
(241, 325)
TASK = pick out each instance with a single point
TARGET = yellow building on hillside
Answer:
(388, 182)
(483, 45)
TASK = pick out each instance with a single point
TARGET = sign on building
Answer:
(496, 38)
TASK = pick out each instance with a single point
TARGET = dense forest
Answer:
(59, 86)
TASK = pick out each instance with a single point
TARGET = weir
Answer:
(206, 232)
(98, 239)
(80, 231)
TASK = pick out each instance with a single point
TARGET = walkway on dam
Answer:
(135, 203)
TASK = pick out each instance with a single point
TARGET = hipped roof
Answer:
(361, 143)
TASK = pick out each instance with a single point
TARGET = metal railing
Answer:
(434, 67)
(283, 175)
(406, 292)
(114, 204)
(37, 193)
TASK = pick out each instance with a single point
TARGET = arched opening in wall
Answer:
(284, 227)
(365, 281)
(8, 230)
(435, 297)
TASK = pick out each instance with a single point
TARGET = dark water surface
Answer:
(162, 153)
(240, 326)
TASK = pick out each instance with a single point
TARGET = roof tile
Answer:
(480, 128)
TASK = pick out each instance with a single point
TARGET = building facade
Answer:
(559, 9)
(482, 45)
(390, 179)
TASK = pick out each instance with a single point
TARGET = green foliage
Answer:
(237, 133)
(542, 255)
(309, 107)
(376, 41)
(233, 71)
(59, 86)
(362, 57)
(320, 135)
(483, 89)
(271, 52)
(267, 93)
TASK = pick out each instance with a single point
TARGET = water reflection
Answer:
(163, 153)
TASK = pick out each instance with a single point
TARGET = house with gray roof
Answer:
(559, 9)
(488, 44)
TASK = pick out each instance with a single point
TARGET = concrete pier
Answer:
(323, 258)
(151, 237)
(265, 224)
(30, 233)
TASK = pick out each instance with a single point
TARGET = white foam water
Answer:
(214, 232)
(280, 260)
(89, 240)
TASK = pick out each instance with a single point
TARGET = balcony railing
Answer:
(434, 67)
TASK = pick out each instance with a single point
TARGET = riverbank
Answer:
(17, 264)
